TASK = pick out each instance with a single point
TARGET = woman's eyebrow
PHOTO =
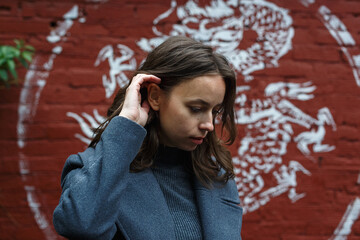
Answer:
(202, 102)
(199, 101)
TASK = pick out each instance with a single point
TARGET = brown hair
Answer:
(176, 60)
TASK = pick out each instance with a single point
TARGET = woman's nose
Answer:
(207, 124)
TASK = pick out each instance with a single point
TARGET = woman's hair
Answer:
(176, 60)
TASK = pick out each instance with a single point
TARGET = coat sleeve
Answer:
(93, 180)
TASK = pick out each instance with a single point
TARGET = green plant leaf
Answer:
(18, 44)
(16, 52)
(30, 48)
(3, 75)
(8, 55)
(10, 52)
(27, 55)
(24, 62)
(2, 60)
(3, 50)
(11, 67)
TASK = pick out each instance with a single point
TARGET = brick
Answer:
(11, 182)
(107, 11)
(28, 9)
(8, 112)
(47, 182)
(344, 7)
(58, 115)
(8, 131)
(24, 27)
(303, 36)
(8, 148)
(69, 62)
(301, 19)
(349, 133)
(61, 95)
(80, 78)
(17, 197)
(49, 131)
(316, 53)
(349, 148)
(322, 36)
(11, 94)
(9, 165)
(88, 29)
(43, 164)
(304, 237)
(352, 23)
(121, 29)
(54, 148)
(8, 8)
(53, 10)
(288, 68)
(30, 233)
(145, 16)
(332, 71)
(62, 131)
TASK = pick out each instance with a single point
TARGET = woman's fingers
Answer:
(132, 107)
(143, 80)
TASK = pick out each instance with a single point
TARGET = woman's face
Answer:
(187, 113)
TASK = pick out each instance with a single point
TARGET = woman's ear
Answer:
(153, 96)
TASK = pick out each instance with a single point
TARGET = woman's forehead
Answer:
(207, 89)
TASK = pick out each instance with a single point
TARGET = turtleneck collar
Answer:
(171, 156)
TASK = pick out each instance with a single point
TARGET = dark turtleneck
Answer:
(172, 169)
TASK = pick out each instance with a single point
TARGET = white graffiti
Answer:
(268, 131)
(35, 81)
(217, 25)
(315, 137)
(338, 30)
(38, 74)
(348, 46)
(307, 3)
(118, 65)
(286, 180)
(63, 26)
(351, 215)
(87, 124)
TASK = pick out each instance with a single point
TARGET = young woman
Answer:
(156, 168)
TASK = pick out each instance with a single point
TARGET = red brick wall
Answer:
(297, 155)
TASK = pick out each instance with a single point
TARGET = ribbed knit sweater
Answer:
(171, 170)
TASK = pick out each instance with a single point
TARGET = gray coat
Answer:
(100, 197)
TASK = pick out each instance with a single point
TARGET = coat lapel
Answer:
(144, 214)
(219, 211)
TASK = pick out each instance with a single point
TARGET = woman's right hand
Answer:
(132, 108)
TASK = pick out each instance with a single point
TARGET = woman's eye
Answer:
(195, 109)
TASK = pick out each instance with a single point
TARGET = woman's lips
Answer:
(197, 141)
